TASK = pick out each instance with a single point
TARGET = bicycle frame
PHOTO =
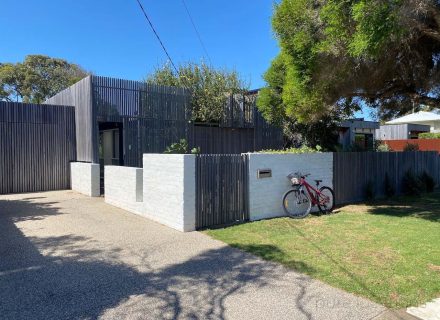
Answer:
(313, 195)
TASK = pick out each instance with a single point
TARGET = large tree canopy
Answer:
(338, 55)
(37, 78)
(209, 87)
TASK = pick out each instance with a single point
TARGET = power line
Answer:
(157, 36)
(197, 32)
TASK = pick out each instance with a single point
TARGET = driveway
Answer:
(67, 256)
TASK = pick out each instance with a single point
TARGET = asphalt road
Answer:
(67, 256)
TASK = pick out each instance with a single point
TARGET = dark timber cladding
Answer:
(79, 95)
(153, 117)
(222, 190)
(37, 142)
(353, 170)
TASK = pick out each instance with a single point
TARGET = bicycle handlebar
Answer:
(298, 175)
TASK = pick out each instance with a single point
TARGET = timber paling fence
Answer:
(352, 171)
(222, 190)
(37, 142)
(222, 181)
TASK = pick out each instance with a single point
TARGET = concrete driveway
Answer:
(67, 256)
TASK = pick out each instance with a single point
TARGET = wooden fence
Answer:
(353, 170)
(222, 184)
(216, 140)
(423, 144)
(37, 142)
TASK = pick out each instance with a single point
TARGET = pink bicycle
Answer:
(298, 201)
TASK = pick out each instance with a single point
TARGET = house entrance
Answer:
(110, 147)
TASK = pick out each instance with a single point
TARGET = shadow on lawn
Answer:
(425, 207)
(74, 277)
(273, 253)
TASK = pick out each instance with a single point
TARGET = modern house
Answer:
(357, 132)
(119, 120)
(401, 131)
(431, 119)
(404, 131)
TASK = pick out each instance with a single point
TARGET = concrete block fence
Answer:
(170, 189)
(85, 178)
(265, 194)
(165, 189)
(123, 188)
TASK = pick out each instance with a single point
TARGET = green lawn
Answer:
(386, 251)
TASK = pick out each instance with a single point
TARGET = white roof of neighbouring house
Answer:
(418, 117)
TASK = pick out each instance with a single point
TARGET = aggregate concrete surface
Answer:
(67, 256)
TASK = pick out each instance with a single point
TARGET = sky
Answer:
(112, 38)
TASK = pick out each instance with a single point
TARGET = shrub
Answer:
(411, 184)
(411, 147)
(370, 191)
(383, 147)
(180, 147)
(302, 149)
(388, 186)
(427, 182)
(429, 135)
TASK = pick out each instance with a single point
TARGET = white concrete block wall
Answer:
(169, 189)
(85, 178)
(265, 195)
(123, 188)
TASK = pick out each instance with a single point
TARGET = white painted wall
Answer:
(265, 195)
(169, 189)
(85, 178)
(123, 188)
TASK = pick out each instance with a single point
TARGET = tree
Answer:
(339, 55)
(319, 131)
(209, 87)
(37, 78)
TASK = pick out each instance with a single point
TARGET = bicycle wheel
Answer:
(326, 199)
(296, 203)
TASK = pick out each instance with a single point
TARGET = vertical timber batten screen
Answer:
(79, 95)
(353, 170)
(222, 190)
(153, 116)
(37, 144)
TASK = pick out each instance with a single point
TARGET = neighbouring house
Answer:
(357, 133)
(119, 120)
(431, 119)
(401, 131)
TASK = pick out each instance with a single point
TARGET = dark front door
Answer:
(110, 146)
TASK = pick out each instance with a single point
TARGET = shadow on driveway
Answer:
(83, 285)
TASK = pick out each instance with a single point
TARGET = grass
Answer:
(386, 251)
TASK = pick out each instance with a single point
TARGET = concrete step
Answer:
(428, 311)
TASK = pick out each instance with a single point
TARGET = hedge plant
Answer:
(429, 135)
(303, 149)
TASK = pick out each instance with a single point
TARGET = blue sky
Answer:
(112, 38)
